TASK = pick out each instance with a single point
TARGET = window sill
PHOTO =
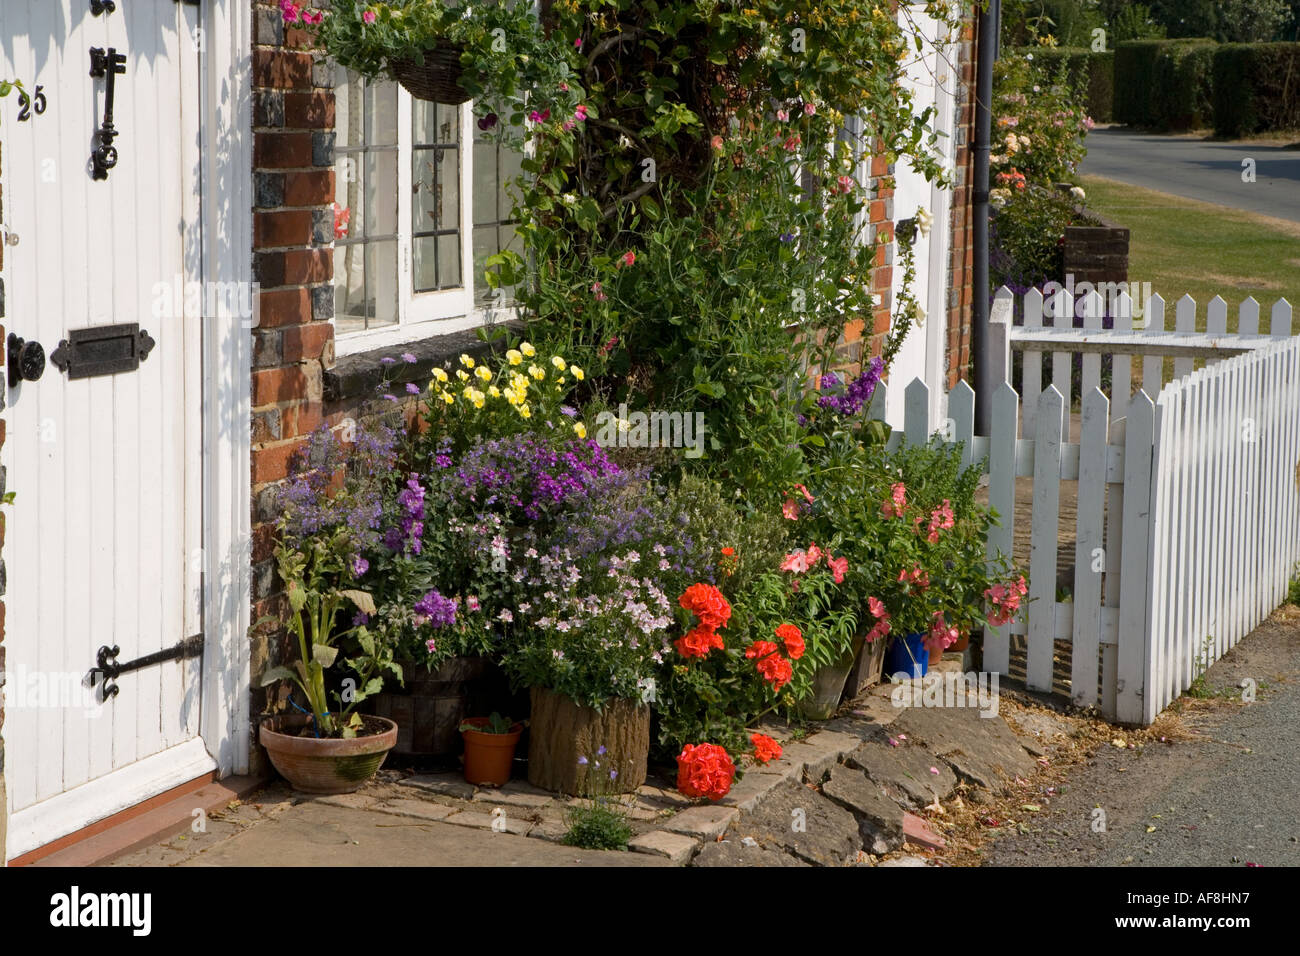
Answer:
(362, 374)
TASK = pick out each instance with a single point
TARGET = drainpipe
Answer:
(988, 24)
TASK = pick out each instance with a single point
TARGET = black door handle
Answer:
(26, 360)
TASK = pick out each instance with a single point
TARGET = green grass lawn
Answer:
(1182, 246)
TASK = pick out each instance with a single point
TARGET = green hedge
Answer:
(1164, 84)
(1096, 71)
(1256, 88)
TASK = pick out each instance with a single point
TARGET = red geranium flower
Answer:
(765, 748)
(698, 643)
(707, 603)
(792, 638)
(761, 649)
(776, 670)
(705, 770)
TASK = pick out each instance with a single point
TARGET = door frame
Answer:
(219, 80)
(226, 125)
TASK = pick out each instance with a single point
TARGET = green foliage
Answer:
(1256, 88)
(699, 231)
(599, 826)
(496, 724)
(1164, 84)
(1134, 22)
(1093, 71)
(1027, 233)
(1293, 589)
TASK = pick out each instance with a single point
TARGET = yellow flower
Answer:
(513, 398)
(494, 391)
(559, 382)
(514, 357)
(580, 429)
(577, 373)
(468, 392)
(439, 375)
(483, 373)
(527, 349)
(448, 397)
(466, 361)
(536, 372)
(524, 412)
(559, 363)
(462, 375)
(479, 403)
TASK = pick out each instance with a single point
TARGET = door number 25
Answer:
(26, 104)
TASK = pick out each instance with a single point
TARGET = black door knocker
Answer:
(107, 65)
(102, 6)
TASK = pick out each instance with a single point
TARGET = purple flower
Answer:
(388, 360)
(601, 752)
(361, 617)
(440, 611)
(412, 388)
(849, 401)
(389, 397)
(787, 237)
(359, 565)
(568, 411)
(582, 761)
(487, 122)
(408, 358)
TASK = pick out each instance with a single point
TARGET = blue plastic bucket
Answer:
(907, 656)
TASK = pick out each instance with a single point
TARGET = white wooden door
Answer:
(103, 544)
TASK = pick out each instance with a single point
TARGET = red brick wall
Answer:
(960, 264)
(293, 228)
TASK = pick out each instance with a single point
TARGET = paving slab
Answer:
(420, 809)
(799, 820)
(746, 792)
(513, 798)
(737, 853)
(703, 822)
(880, 819)
(312, 834)
(909, 774)
(447, 784)
(983, 750)
(491, 821)
(920, 833)
(660, 843)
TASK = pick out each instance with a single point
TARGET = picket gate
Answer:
(1169, 573)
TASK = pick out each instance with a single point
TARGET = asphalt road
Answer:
(1192, 168)
(1227, 795)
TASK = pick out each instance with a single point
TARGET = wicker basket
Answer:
(436, 79)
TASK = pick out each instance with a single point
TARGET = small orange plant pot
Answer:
(488, 756)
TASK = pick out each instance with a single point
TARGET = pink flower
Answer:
(541, 117)
(877, 608)
(804, 491)
(839, 567)
(564, 87)
(368, 16)
(941, 518)
(898, 501)
(628, 258)
(431, 644)
(941, 636)
(289, 11)
(716, 144)
(580, 112)
(783, 115)
(809, 109)
(577, 44)
(471, 603)
(814, 554)
(600, 295)
(796, 561)
(846, 184)
(790, 509)
(568, 125)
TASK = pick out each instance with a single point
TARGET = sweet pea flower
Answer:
(368, 16)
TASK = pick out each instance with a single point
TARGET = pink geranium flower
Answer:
(839, 567)
(368, 16)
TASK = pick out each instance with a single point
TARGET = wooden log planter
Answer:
(561, 731)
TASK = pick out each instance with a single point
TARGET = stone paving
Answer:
(854, 792)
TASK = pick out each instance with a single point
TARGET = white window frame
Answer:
(422, 315)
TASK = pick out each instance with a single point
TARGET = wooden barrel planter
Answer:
(428, 711)
(561, 731)
(868, 668)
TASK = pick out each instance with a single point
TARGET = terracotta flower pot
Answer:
(326, 764)
(488, 756)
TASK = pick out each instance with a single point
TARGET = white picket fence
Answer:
(1187, 519)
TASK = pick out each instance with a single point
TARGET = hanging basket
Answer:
(437, 79)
